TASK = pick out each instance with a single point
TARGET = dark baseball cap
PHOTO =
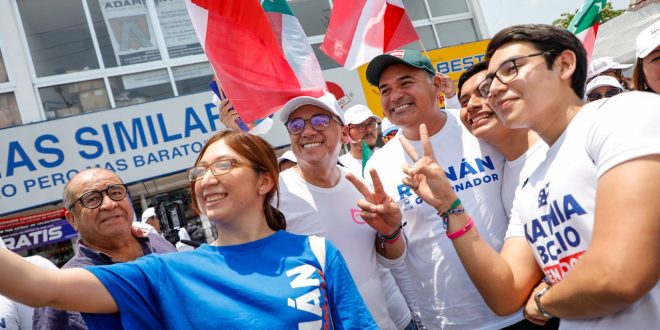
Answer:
(408, 57)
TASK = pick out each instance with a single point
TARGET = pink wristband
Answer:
(461, 231)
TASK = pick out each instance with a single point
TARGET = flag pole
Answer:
(426, 53)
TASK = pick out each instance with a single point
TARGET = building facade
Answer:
(123, 84)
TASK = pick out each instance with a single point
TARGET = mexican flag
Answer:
(295, 46)
(360, 30)
(585, 24)
(247, 56)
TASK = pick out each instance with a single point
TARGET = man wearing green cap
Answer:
(409, 91)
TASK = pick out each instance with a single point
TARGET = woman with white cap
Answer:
(602, 87)
(647, 68)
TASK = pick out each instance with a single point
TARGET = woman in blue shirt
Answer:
(255, 275)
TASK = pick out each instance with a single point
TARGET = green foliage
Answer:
(606, 14)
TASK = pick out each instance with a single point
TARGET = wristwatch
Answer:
(537, 300)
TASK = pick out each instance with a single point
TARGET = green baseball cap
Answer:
(408, 57)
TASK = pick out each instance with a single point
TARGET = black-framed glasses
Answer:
(94, 199)
(220, 167)
(505, 73)
(319, 123)
(609, 93)
(364, 127)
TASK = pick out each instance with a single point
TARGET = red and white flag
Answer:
(247, 56)
(360, 30)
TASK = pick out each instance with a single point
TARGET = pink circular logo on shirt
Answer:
(357, 218)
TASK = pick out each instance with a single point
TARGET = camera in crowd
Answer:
(171, 215)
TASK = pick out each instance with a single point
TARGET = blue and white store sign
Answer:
(138, 142)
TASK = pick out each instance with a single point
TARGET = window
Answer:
(455, 33)
(416, 9)
(178, 31)
(426, 36)
(74, 98)
(193, 78)
(141, 87)
(57, 36)
(447, 7)
(313, 15)
(3, 71)
(324, 61)
(124, 31)
(9, 115)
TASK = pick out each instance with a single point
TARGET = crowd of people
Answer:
(527, 203)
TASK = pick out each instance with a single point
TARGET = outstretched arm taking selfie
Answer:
(504, 279)
(70, 289)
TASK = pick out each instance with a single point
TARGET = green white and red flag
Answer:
(360, 30)
(585, 24)
(248, 55)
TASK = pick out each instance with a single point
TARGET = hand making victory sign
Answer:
(381, 213)
(426, 177)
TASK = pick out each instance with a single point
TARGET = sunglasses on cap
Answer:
(597, 96)
(319, 123)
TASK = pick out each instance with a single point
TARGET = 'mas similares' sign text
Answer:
(137, 142)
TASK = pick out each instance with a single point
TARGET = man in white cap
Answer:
(317, 199)
(388, 130)
(602, 87)
(149, 218)
(287, 160)
(646, 75)
(606, 66)
(362, 126)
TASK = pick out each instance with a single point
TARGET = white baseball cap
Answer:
(648, 40)
(148, 213)
(326, 102)
(358, 114)
(602, 64)
(601, 81)
(386, 126)
(287, 155)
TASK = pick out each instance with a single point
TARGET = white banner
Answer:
(138, 142)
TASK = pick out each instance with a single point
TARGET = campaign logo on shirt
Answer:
(553, 234)
(314, 300)
(463, 176)
(357, 217)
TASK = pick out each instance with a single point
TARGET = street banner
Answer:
(35, 230)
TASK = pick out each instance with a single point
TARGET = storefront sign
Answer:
(35, 230)
(451, 61)
(138, 142)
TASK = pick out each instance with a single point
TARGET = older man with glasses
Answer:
(362, 131)
(99, 210)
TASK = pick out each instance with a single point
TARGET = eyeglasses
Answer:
(220, 167)
(365, 127)
(94, 199)
(505, 73)
(319, 123)
(597, 96)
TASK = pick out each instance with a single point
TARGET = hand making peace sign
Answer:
(426, 177)
(378, 209)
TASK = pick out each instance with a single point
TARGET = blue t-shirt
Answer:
(275, 282)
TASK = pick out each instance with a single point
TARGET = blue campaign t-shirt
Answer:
(275, 282)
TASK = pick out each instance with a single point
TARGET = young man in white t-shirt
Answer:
(409, 90)
(587, 217)
(522, 148)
